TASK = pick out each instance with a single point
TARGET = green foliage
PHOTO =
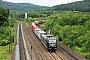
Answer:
(34, 16)
(4, 52)
(72, 29)
(22, 6)
(70, 33)
(3, 16)
(83, 6)
(7, 30)
(3, 42)
(87, 24)
(5, 34)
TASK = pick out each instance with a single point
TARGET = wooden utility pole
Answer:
(10, 38)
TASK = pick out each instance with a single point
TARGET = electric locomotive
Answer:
(49, 42)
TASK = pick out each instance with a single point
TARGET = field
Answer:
(4, 52)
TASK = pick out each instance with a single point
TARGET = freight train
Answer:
(46, 39)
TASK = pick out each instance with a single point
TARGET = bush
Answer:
(73, 29)
(3, 42)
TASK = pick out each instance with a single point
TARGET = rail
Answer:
(17, 55)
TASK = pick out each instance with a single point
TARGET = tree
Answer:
(3, 16)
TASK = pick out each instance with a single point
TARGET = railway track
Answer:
(33, 52)
(19, 51)
(37, 51)
(21, 45)
(62, 50)
(56, 56)
(70, 53)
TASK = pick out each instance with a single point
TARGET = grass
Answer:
(4, 52)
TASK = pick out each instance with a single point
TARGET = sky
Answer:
(43, 2)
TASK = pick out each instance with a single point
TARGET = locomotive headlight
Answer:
(49, 46)
(54, 46)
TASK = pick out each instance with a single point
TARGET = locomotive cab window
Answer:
(52, 41)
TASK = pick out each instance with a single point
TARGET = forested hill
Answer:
(21, 6)
(83, 6)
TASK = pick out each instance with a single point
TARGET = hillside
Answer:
(83, 6)
(21, 6)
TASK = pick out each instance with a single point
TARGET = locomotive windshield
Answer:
(52, 41)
